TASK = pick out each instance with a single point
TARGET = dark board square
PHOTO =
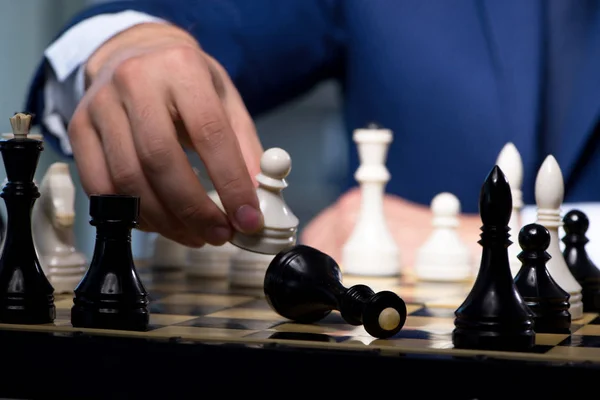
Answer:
(298, 336)
(183, 309)
(581, 341)
(595, 321)
(226, 323)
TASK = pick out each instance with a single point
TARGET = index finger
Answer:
(212, 137)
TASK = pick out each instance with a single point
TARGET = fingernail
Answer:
(221, 234)
(248, 219)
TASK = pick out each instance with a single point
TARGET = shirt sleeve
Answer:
(65, 81)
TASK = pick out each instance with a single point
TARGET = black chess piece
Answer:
(111, 295)
(494, 315)
(544, 297)
(576, 224)
(26, 295)
(304, 285)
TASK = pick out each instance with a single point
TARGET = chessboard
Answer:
(212, 311)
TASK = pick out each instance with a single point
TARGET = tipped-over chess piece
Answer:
(444, 256)
(280, 223)
(26, 295)
(304, 285)
(53, 223)
(576, 224)
(494, 315)
(548, 302)
(371, 250)
(111, 295)
(549, 193)
(510, 162)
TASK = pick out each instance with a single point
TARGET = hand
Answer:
(409, 223)
(152, 91)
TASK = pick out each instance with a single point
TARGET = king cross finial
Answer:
(20, 123)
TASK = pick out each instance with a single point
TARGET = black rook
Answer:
(111, 295)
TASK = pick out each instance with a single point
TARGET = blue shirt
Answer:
(455, 81)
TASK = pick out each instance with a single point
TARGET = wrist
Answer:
(133, 39)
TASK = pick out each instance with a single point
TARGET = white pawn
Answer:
(509, 161)
(444, 257)
(280, 223)
(168, 254)
(210, 261)
(549, 194)
(248, 269)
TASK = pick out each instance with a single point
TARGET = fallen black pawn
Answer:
(304, 285)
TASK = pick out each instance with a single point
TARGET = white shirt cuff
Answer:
(65, 79)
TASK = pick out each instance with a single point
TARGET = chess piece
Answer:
(26, 295)
(111, 295)
(167, 254)
(444, 257)
(371, 249)
(494, 315)
(509, 161)
(548, 301)
(576, 224)
(211, 261)
(280, 223)
(304, 285)
(53, 223)
(247, 269)
(549, 192)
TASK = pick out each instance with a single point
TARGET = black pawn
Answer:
(111, 295)
(304, 285)
(544, 297)
(576, 224)
(26, 295)
(494, 316)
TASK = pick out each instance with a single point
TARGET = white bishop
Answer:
(549, 194)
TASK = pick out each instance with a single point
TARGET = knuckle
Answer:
(125, 177)
(210, 133)
(155, 156)
(181, 55)
(128, 72)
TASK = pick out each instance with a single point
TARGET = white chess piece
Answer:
(211, 261)
(53, 220)
(168, 254)
(549, 194)
(444, 256)
(248, 269)
(509, 161)
(280, 223)
(371, 249)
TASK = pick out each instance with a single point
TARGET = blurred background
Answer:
(28, 26)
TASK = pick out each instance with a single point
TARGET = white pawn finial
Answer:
(444, 256)
(549, 194)
(280, 223)
(275, 166)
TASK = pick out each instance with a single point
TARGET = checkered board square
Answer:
(212, 312)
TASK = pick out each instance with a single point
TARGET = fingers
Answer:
(110, 120)
(214, 140)
(165, 164)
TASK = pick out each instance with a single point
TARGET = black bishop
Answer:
(494, 315)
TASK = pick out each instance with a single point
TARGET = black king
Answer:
(26, 295)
